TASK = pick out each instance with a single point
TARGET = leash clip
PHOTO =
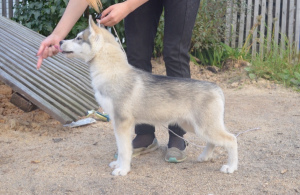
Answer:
(98, 17)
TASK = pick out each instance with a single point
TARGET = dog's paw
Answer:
(203, 158)
(120, 172)
(114, 164)
(228, 169)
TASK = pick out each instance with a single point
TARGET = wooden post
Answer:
(291, 23)
(297, 33)
(270, 24)
(249, 21)
(234, 24)
(228, 22)
(4, 8)
(255, 15)
(22, 103)
(10, 8)
(276, 23)
(242, 24)
(262, 28)
(283, 25)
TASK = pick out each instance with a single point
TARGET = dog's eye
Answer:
(78, 38)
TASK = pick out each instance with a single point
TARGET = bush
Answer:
(43, 16)
(209, 32)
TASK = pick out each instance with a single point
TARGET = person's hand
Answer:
(115, 13)
(48, 48)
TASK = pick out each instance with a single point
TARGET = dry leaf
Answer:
(35, 161)
(283, 171)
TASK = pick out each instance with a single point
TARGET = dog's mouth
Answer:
(67, 52)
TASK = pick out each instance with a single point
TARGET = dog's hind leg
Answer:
(230, 143)
(207, 153)
(191, 126)
(216, 134)
(123, 131)
(219, 136)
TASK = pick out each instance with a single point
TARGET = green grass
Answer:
(280, 65)
(275, 64)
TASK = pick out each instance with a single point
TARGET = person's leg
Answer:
(180, 16)
(140, 30)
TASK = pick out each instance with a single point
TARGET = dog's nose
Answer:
(61, 42)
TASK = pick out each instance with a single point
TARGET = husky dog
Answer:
(131, 96)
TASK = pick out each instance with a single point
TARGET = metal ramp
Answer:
(62, 87)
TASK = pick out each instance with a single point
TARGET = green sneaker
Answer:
(174, 155)
(143, 150)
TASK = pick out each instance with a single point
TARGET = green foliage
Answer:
(276, 64)
(209, 32)
(43, 16)
(158, 42)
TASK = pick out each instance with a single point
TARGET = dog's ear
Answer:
(94, 29)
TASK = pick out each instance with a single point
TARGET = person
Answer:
(141, 22)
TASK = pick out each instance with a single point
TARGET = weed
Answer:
(276, 64)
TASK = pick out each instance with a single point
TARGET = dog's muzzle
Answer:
(62, 51)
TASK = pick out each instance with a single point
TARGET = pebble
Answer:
(235, 84)
(13, 123)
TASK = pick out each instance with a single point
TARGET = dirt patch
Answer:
(39, 156)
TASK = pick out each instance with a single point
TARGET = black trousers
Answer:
(140, 31)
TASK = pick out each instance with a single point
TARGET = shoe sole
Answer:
(174, 160)
(141, 151)
(147, 150)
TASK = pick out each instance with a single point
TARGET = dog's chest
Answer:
(105, 102)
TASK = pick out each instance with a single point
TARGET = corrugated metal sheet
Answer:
(62, 87)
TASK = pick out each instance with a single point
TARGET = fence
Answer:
(6, 7)
(262, 23)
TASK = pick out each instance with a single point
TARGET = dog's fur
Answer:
(131, 96)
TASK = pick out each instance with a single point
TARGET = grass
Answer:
(276, 64)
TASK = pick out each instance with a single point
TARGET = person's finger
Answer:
(106, 12)
(57, 48)
(105, 20)
(55, 51)
(111, 23)
(41, 49)
(50, 51)
(45, 53)
(39, 62)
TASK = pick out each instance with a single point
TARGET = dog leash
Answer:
(198, 146)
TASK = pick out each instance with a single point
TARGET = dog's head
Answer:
(87, 43)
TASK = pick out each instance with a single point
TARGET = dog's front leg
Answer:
(123, 131)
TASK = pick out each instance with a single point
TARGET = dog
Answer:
(131, 96)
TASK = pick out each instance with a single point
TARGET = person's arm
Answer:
(117, 12)
(49, 46)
